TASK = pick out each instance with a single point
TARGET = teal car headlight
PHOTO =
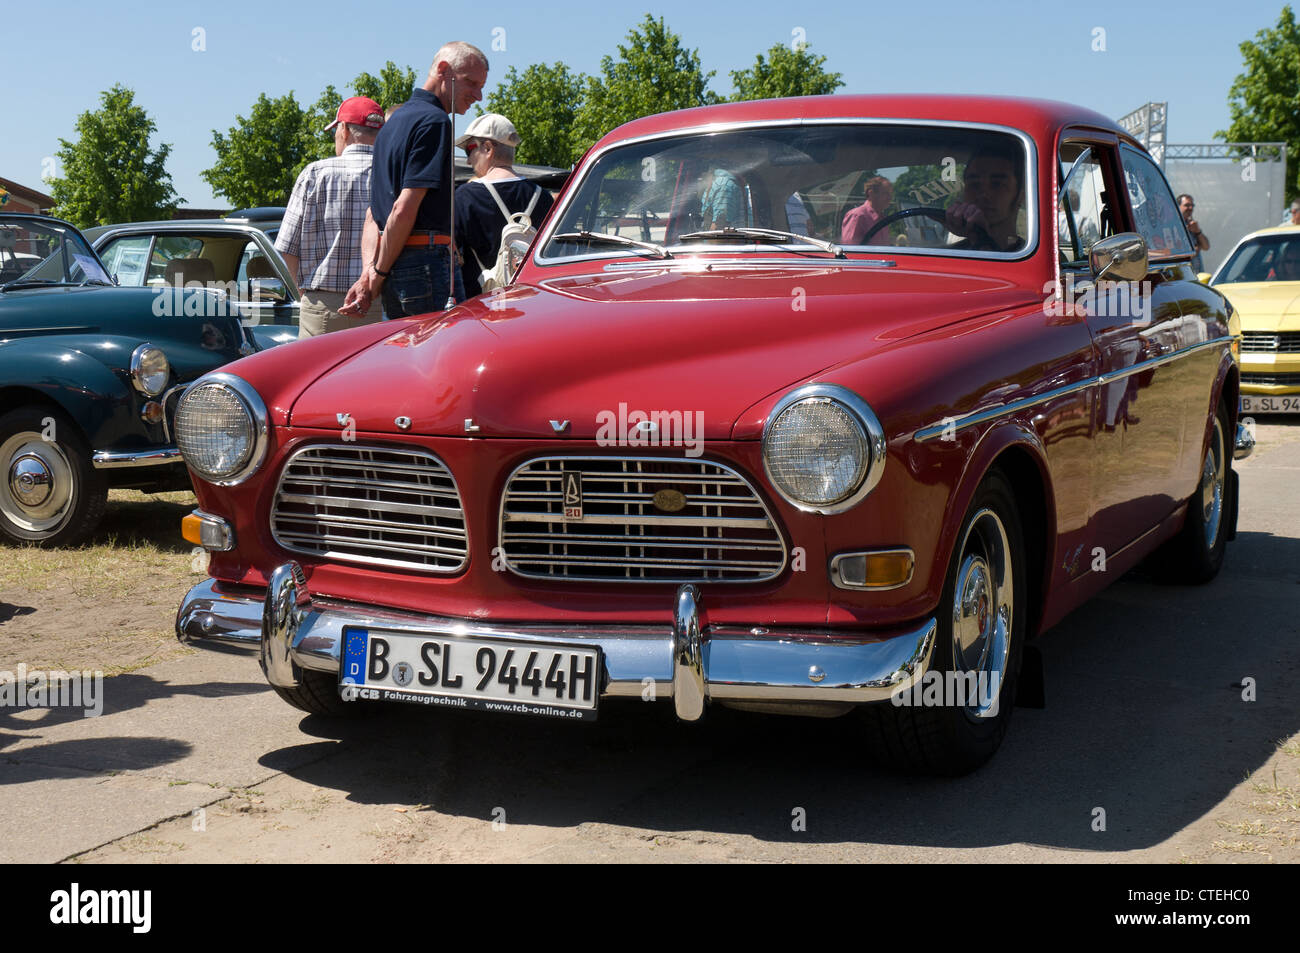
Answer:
(222, 429)
(149, 370)
(823, 448)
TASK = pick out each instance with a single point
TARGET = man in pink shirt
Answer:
(859, 222)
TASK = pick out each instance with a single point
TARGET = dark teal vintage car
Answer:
(90, 374)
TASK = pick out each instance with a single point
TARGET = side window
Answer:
(168, 247)
(1154, 211)
(128, 258)
(1084, 212)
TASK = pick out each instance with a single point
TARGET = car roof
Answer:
(30, 217)
(180, 225)
(1271, 230)
(1030, 115)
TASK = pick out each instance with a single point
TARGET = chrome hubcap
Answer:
(981, 613)
(1213, 474)
(36, 492)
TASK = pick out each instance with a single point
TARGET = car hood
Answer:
(200, 333)
(1265, 305)
(571, 356)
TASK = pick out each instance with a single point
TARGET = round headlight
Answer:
(149, 370)
(221, 429)
(823, 448)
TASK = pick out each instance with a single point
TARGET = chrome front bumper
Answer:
(688, 661)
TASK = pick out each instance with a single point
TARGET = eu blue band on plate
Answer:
(354, 657)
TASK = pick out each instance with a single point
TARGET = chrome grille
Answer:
(375, 505)
(722, 533)
(1289, 380)
(1279, 342)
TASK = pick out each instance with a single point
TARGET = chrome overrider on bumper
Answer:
(687, 661)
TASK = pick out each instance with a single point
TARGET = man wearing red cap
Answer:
(320, 237)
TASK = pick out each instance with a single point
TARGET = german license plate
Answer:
(527, 678)
(1256, 404)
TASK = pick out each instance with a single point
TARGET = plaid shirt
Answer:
(324, 219)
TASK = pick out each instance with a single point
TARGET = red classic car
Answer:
(716, 445)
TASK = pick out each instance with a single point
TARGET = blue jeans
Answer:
(417, 281)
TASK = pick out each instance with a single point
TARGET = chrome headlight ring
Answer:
(870, 468)
(246, 399)
(149, 370)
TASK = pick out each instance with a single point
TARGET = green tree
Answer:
(391, 87)
(785, 72)
(261, 156)
(543, 104)
(109, 173)
(653, 73)
(1264, 101)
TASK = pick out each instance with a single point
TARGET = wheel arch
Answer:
(1016, 451)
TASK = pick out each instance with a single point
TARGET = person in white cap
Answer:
(320, 237)
(497, 191)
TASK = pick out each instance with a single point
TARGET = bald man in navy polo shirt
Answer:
(407, 240)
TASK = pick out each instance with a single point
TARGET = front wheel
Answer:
(49, 492)
(955, 718)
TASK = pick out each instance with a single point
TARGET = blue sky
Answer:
(1185, 53)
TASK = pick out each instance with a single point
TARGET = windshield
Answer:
(45, 252)
(1268, 258)
(907, 188)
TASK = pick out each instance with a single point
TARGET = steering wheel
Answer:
(979, 233)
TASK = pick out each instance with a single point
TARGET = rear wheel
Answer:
(1195, 555)
(49, 492)
(956, 718)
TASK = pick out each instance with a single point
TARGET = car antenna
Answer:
(451, 192)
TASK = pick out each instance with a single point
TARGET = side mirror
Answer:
(1121, 257)
(268, 289)
(517, 249)
(1203, 277)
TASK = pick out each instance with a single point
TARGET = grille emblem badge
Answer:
(470, 426)
(669, 501)
(572, 494)
(559, 426)
(403, 422)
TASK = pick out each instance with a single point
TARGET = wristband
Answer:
(381, 274)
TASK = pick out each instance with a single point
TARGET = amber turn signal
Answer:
(211, 532)
(882, 569)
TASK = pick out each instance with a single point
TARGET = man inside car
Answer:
(987, 214)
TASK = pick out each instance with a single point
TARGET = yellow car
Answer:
(1262, 280)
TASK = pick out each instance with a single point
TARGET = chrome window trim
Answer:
(392, 564)
(723, 264)
(991, 413)
(876, 442)
(1030, 182)
(256, 408)
(758, 498)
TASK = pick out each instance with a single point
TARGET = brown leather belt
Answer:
(427, 239)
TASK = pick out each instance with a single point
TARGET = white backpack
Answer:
(519, 225)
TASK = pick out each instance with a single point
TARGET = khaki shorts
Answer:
(318, 313)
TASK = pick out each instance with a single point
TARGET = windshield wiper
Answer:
(766, 234)
(19, 282)
(657, 250)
